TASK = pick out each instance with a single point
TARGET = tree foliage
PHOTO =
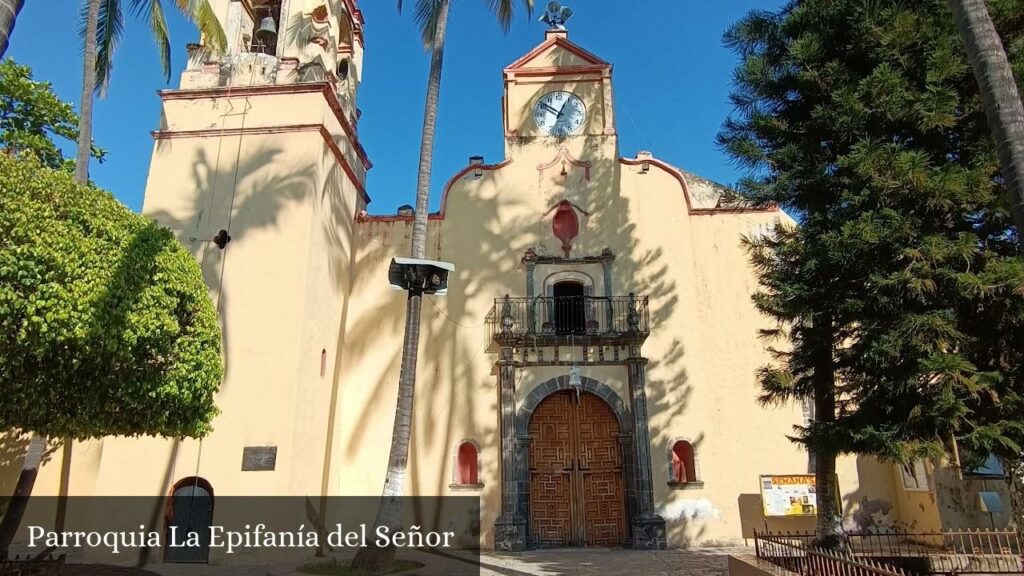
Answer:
(32, 116)
(110, 27)
(106, 326)
(864, 119)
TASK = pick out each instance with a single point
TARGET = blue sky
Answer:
(672, 79)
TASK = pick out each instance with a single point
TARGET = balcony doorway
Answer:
(570, 308)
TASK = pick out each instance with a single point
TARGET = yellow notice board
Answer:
(789, 495)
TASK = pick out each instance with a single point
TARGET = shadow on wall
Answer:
(752, 518)
(871, 507)
(239, 193)
(12, 455)
(452, 379)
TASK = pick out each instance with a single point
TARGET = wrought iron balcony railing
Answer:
(567, 319)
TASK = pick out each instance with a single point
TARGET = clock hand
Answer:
(549, 107)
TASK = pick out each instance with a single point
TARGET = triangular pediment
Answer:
(557, 52)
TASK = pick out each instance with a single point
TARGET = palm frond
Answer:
(201, 13)
(109, 27)
(504, 10)
(426, 12)
(154, 11)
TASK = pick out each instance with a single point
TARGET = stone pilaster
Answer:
(607, 258)
(510, 527)
(530, 261)
(647, 526)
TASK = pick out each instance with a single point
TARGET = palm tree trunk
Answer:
(22, 491)
(380, 560)
(88, 90)
(419, 226)
(9, 10)
(1003, 106)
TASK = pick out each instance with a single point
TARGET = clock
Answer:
(560, 113)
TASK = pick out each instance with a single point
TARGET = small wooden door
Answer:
(191, 511)
(576, 495)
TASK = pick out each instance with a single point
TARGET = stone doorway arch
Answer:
(602, 489)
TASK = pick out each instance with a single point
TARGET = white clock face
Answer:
(560, 113)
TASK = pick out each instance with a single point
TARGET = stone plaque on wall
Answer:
(259, 458)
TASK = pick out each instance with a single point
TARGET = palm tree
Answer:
(102, 25)
(9, 10)
(432, 18)
(999, 92)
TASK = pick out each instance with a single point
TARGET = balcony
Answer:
(570, 321)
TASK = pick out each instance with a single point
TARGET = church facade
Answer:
(590, 373)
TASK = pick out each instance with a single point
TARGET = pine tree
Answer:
(898, 297)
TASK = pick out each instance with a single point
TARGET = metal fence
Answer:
(796, 555)
(17, 566)
(931, 553)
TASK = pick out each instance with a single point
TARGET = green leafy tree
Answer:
(432, 18)
(864, 120)
(102, 26)
(32, 116)
(106, 326)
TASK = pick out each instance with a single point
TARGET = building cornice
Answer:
(276, 89)
(440, 214)
(286, 129)
(678, 175)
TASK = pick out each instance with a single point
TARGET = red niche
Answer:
(566, 225)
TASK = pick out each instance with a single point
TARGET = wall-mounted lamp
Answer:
(645, 167)
(221, 239)
(477, 163)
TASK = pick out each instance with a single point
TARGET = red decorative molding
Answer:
(243, 91)
(324, 132)
(362, 216)
(565, 44)
(564, 155)
(560, 71)
(678, 175)
(566, 225)
(439, 215)
(356, 17)
(320, 14)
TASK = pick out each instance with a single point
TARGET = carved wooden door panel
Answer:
(576, 495)
(600, 467)
(551, 466)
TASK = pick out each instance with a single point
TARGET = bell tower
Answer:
(258, 169)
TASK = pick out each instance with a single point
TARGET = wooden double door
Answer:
(576, 485)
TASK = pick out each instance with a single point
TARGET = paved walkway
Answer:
(690, 562)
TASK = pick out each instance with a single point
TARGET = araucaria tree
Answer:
(106, 326)
(863, 119)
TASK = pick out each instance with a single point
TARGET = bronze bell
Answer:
(267, 31)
